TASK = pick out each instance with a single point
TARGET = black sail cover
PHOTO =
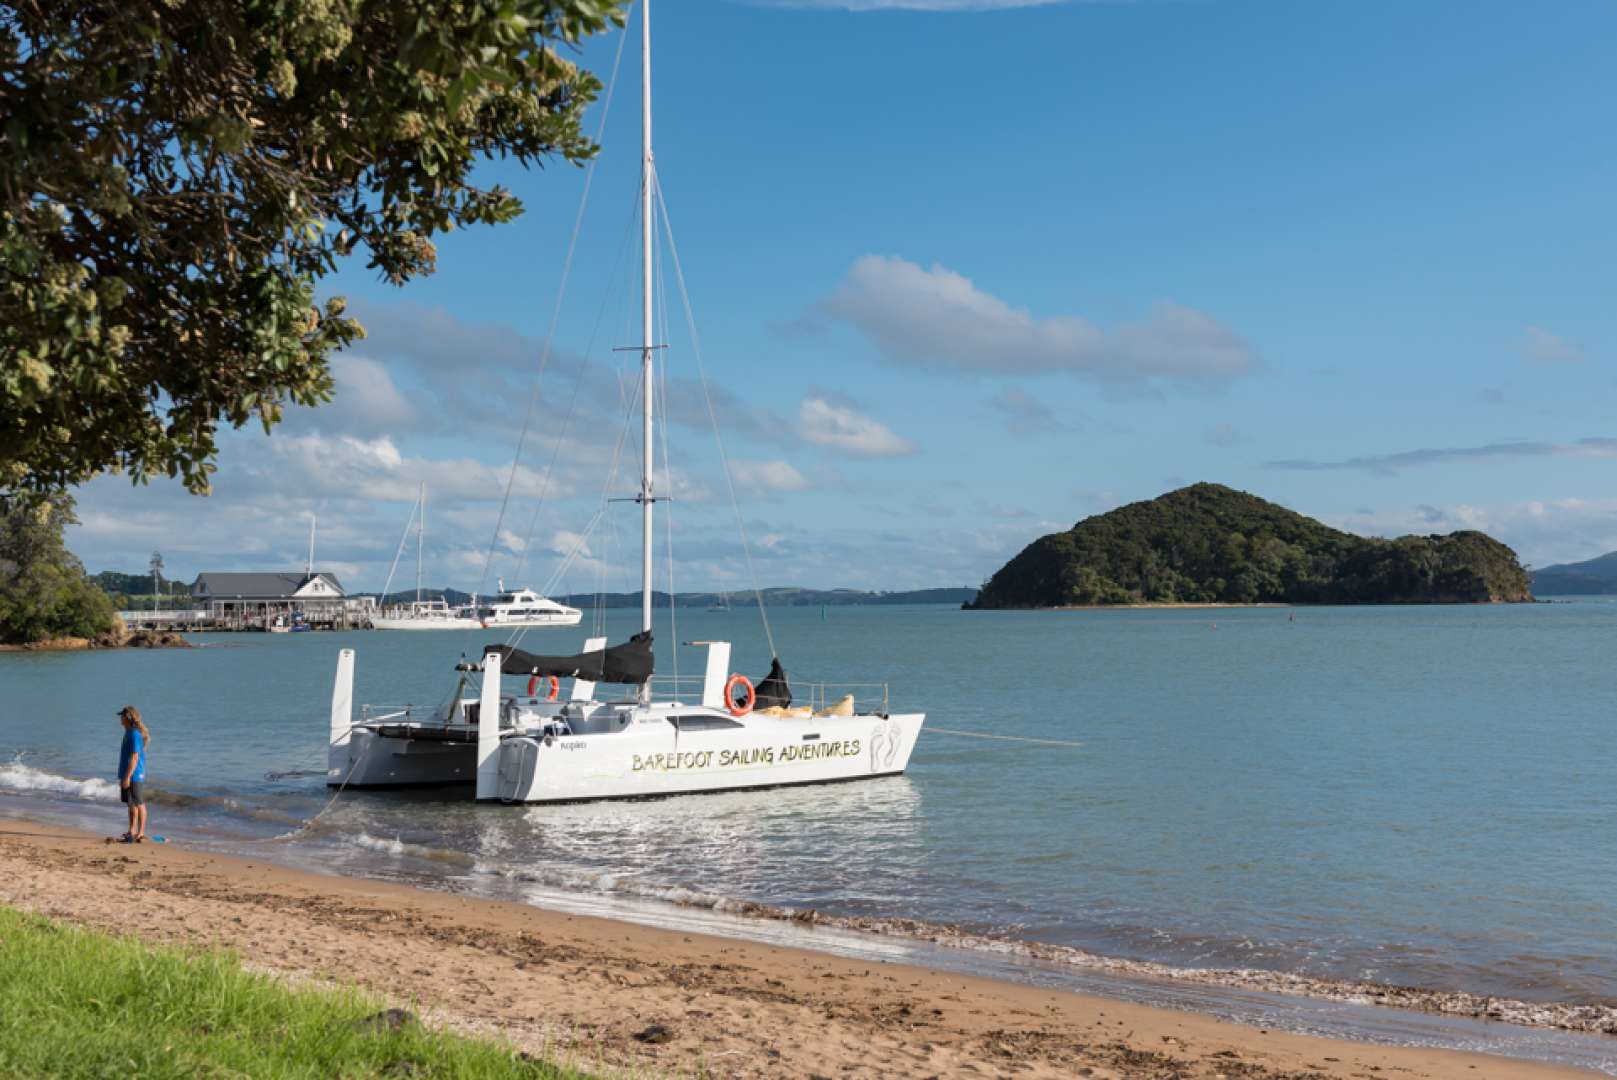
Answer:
(772, 689)
(626, 663)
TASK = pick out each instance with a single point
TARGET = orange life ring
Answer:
(555, 687)
(729, 699)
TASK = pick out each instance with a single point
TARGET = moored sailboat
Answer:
(517, 608)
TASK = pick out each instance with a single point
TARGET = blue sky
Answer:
(962, 277)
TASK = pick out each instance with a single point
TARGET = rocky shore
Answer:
(119, 637)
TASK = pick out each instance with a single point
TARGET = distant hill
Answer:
(134, 592)
(1211, 544)
(1592, 577)
(776, 597)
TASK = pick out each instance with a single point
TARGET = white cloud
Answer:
(1223, 435)
(839, 425)
(366, 402)
(767, 476)
(346, 466)
(938, 318)
(1544, 349)
(564, 541)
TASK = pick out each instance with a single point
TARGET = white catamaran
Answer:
(536, 747)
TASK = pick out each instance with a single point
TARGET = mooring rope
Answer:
(322, 811)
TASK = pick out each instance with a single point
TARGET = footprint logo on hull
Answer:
(885, 740)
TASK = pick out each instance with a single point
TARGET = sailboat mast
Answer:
(646, 384)
(420, 540)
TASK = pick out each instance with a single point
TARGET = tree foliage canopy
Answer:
(1211, 544)
(44, 592)
(177, 174)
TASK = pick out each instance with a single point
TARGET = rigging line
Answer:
(572, 401)
(609, 548)
(514, 638)
(611, 476)
(1004, 738)
(448, 707)
(668, 467)
(555, 317)
(627, 403)
(578, 545)
(713, 417)
(668, 528)
(399, 553)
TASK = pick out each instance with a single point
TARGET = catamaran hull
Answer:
(384, 761)
(654, 762)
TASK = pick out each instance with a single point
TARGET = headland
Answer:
(1210, 544)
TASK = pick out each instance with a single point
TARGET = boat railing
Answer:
(867, 697)
(400, 714)
(681, 689)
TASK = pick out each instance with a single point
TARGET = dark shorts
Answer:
(134, 794)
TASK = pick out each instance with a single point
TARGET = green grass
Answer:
(75, 1003)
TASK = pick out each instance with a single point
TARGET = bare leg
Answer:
(133, 810)
(140, 821)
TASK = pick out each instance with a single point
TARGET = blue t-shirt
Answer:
(134, 747)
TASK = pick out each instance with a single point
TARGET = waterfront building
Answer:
(260, 600)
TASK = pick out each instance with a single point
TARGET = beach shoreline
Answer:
(600, 988)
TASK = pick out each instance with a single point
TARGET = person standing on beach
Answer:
(132, 772)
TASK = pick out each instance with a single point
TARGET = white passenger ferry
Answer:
(521, 607)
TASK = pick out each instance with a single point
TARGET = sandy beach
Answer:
(621, 997)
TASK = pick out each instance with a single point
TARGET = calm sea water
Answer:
(1422, 796)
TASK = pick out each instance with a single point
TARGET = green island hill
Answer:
(1210, 544)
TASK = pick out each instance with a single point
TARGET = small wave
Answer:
(605, 883)
(394, 846)
(1585, 1017)
(17, 777)
(397, 846)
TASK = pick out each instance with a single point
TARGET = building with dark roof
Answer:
(244, 601)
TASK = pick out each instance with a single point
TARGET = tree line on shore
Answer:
(44, 591)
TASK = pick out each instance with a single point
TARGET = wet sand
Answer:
(616, 996)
